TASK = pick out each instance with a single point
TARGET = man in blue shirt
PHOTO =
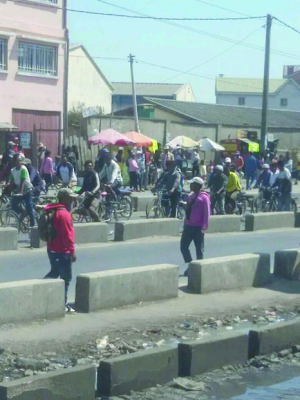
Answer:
(264, 177)
(250, 170)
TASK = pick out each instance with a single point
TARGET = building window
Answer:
(283, 102)
(38, 59)
(3, 54)
(241, 101)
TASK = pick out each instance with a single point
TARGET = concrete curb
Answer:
(65, 384)
(277, 337)
(198, 357)
(129, 230)
(117, 288)
(8, 239)
(271, 220)
(96, 232)
(287, 264)
(228, 273)
(224, 223)
(26, 301)
(137, 371)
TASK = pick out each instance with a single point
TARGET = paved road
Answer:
(32, 264)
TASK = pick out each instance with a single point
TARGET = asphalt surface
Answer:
(33, 264)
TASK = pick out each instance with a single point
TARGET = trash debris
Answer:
(185, 325)
(188, 384)
(160, 343)
(102, 343)
(270, 312)
(146, 345)
(229, 328)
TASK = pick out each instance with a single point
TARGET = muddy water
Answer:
(263, 385)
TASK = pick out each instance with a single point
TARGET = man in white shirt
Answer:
(111, 173)
(66, 173)
(284, 184)
(274, 174)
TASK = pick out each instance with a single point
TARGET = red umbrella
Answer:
(110, 137)
(140, 139)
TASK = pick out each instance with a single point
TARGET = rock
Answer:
(85, 361)
(297, 355)
(236, 320)
(187, 384)
(28, 372)
(261, 319)
(2, 350)
(296, 348)
(284, 353)
(33, 364)
(49, 354)
(270, 318)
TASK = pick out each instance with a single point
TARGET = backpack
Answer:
(47, 233)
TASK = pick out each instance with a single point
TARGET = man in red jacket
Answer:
(61, 250)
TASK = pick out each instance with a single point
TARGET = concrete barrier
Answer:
(31, 300)
(197, 357)
(96, 232)
(227, 273)
(277, 337)
(155, 227)
(8, 239)
(66, 384)
(274, 220)
(287, 264)
(137, 371)
(297, 219)
(224, 223)
(116, 288)
(139, 203)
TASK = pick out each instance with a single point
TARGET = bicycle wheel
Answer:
(125, 210)
(156, 212)
(151, 203)
(80, 215)
(9, 218)
(107, 212)
(180, 211)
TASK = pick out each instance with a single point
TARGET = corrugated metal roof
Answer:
(246, 85)
(228, 115)
(147, 89)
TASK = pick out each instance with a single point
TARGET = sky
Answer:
(214, 47)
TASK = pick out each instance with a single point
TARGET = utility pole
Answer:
(135, 110)
(264, 117)
(66, 74)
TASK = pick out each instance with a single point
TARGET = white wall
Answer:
(289, 91)
(85, 84)
(185, 93)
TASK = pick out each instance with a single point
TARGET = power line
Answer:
(222, 8)
(200, 32)
(143, 17)
(287, 25)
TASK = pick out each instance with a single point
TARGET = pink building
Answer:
(33, 51)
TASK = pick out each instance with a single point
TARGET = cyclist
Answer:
(19, 180)
(172, 181)
(218, 185)
(111, 174)
(65, 172)
(233, 188)
(35, 178)
(91, 188)
(284, 185)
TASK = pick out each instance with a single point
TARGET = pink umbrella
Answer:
(110, 137)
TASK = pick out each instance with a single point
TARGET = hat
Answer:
(219, 168)
(27, 161)
(16, 138)
(237, 153)
(105, 150)
(11, 143)
(66, 192)
(197, 180)
(166, 148)
(266, 166)
(41, 145)
(228, 160)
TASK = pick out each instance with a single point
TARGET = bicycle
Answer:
(157, 207)
(116, 209)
